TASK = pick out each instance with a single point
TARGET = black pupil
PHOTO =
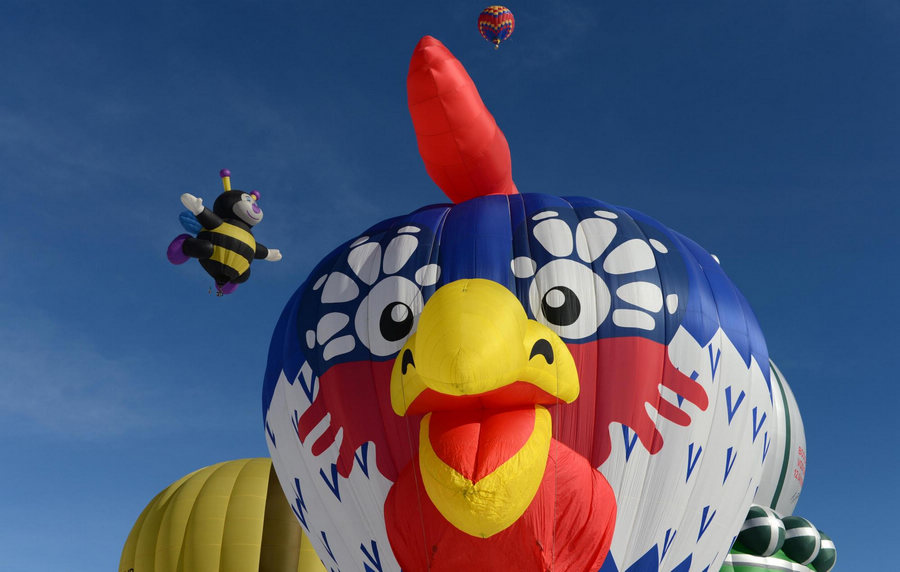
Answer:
(396, 321)
(561, 306)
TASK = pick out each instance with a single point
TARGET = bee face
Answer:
(247, 210)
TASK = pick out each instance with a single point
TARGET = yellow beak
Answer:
(474, 337)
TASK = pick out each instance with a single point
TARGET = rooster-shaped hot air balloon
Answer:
(514, 381)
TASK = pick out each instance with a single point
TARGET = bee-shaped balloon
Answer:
(224, 243)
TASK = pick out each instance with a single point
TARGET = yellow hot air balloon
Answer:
(231, 516)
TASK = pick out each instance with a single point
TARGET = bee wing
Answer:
(190, 222)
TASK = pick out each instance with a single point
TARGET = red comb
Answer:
(465, 153)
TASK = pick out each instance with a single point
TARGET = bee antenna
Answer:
(226, 179)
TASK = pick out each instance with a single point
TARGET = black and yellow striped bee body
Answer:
(234, 248)
(225, 245)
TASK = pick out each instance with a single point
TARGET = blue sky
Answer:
(769, 132)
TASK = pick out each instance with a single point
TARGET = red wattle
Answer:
(476, 442)
(568, 527)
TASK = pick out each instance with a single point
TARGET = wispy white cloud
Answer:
(55, 382)
(60, 153)
(310, 159)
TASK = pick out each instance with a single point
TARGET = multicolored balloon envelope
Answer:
(515, 381)
(496, 24)
(228, 516)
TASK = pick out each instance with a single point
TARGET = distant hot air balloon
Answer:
(444, 386)
(496, 24)
(229, 516)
